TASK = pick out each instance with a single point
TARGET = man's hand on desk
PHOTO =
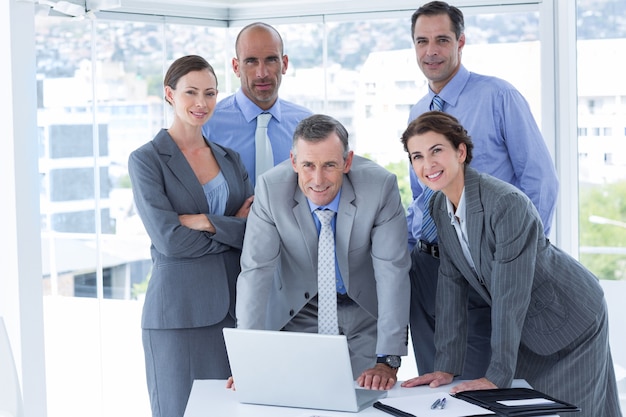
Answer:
(380, 377)
(230, 383)
(433, 379)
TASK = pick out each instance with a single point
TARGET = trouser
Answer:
(175, 357)
(424, 274)
(355, 323)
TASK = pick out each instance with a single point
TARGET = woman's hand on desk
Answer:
(433, 379)
(481, 383)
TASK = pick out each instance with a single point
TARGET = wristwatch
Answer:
(393, 361)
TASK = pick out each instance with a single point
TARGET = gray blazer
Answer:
(194, 273)
(540, 297)
(279, 258)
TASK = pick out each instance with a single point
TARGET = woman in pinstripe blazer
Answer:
(193, 197)
(549, 317)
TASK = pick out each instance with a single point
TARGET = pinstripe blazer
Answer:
(540, 297)
(279, 259)
(194, 273)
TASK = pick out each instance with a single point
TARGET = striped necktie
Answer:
(437, 103)
(429, 231)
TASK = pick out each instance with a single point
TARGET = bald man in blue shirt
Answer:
(260, 64)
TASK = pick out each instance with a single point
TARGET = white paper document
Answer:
(419, 405)
(528, 401)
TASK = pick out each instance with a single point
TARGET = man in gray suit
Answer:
(278, 285)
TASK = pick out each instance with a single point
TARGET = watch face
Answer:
(393, 361)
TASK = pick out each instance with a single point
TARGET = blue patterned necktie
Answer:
(326, 278)
(437, 103)
(429, 231)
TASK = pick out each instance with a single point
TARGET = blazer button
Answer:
(307, 295)
(291, 312)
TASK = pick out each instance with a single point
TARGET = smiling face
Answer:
(437, 163)
(194, 98)
(437, 49)
(260, 64)
(320, 167)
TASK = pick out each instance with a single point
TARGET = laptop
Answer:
(291, 369)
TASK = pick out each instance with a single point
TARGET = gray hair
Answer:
(318, 127)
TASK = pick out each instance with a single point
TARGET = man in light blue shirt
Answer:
(508, 145)
(260, 64)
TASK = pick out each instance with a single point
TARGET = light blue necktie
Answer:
(326, 278)
(264, 156)
(429, 231)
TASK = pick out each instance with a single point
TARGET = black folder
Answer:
(492, 399)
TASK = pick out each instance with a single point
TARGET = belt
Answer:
(343, 299)
(430, 248)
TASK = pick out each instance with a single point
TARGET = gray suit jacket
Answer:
(540, 297)
(194, 273)
(279, 258)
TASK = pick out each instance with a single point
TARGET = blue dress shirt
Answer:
(233, 125)
(216, 192)
(507, 141)
(334, 206)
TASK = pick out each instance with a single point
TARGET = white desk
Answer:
(210, 398)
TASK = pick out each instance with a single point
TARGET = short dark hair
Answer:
(183, 66)
(267, 27)
(318, 127)
(442, 123)
(435, 8)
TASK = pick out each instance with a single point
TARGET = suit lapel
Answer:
(306, 224)
(447, 233)
(475, 215)
(171, 156)
(229, 171)
(345, 221)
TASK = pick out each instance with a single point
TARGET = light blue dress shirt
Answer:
(507, 141)
(216, 193)
(334, 206)
(233, 125)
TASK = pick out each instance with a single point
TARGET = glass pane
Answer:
(96, 257)
(602, 161)
(69, 142)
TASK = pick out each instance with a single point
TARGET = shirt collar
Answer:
(460, 210)
(450, 92)
(333, 205)
(251, 111)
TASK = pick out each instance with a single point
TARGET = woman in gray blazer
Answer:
(549, 317)
(193, 197)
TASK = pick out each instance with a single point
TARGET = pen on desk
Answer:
(440, 404)
(391, 410)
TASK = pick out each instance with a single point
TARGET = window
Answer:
(100, 97)
(602, 167)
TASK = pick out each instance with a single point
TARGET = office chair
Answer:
(10, 391)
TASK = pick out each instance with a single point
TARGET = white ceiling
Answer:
(242, 10)
(246, 9)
